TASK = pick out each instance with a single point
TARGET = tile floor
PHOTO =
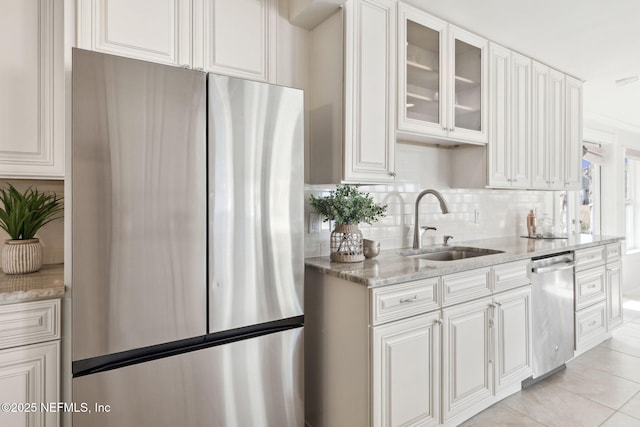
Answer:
(599, 388)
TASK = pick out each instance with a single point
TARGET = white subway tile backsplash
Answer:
(501, 213)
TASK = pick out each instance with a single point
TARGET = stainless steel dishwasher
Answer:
(553, 324)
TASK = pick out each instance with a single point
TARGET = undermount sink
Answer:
(451, 254)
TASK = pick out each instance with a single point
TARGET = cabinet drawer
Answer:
(590, 287)
(511, 275)
(29, 322)
(590, 326)
(613, 251)
(588, 258)
(465, 286)
(404, 300)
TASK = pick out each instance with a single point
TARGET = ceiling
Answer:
(597, 41)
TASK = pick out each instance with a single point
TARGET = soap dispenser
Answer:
(531, 223)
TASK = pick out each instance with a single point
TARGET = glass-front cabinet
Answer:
(441, 80)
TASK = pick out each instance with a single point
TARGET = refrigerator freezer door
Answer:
(255, 382)
(138, 204)
(256, 191)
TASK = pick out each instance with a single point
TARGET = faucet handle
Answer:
(426, 227)
(445, 240)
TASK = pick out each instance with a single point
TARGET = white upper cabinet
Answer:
(556, 129)
(573, 134)
(467, 111)
(555, 161)
(539, 125)
(151, 30)
(520, 119)
(369, 90)
(422, 42)
(510, 118)
(32, 85)
(236, 37)
(352, 116)
(442, 80)
(499, 153)
(229, 37)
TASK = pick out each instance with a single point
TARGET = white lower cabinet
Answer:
(512, 324)
(406, 372)
(486, 348)
(428, 365)
(614, 295)
(466, 347)
(29, 363)
(598, 295)
(29, 376)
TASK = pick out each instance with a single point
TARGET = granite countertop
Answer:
(390, 267)
(47, 283)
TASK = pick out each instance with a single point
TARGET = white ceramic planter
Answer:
(21, 256)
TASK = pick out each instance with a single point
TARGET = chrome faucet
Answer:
(416, 225)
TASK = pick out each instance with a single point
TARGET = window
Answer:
(589, 204)
(632, 198)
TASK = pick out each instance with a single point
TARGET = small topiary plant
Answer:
(347, 205)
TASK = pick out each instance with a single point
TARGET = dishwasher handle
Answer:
(553, 267)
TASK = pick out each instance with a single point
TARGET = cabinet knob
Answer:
(438, 321)
(444, 128)
(451, 129)
(393, 174)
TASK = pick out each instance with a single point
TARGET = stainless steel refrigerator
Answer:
(187, 247)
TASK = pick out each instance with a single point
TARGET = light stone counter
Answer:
(390, 267)
(47, 283)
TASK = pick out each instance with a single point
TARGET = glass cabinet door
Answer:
(423, 73)
(442, 80)
(469, 96)
(421, 96)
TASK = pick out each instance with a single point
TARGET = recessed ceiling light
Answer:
(626, 81)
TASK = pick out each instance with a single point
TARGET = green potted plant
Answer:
(348, 207)
(21, 216)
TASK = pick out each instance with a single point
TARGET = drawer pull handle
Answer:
(591, 286)
(592, 323)
(408, 299)
(438, 321)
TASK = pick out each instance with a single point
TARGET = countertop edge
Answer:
(360, 272)
(48, 283)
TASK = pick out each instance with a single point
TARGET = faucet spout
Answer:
(443, 207)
